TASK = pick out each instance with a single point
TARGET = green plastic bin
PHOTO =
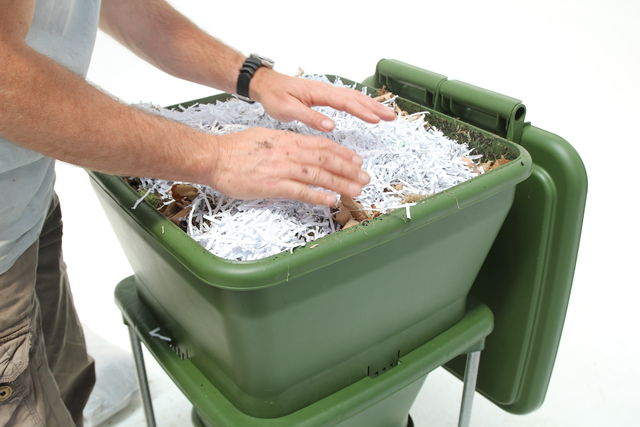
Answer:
(278, 334)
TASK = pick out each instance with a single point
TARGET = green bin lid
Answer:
(526, 278)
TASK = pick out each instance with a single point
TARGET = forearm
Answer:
(47, 108)
(159, 34)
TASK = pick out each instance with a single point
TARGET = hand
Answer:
(289, 98)
(266, 163)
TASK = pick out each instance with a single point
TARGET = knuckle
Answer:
(314, 91)
(287, 112)
(324, 143)
(294, 171)
(354, 105)
(302, 193)
(286, 133)
(274, 168)
(298, 139)
(314, 174)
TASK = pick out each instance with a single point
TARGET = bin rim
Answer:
(285, 266)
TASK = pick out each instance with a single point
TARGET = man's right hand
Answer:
(79, 124)
(266, 163)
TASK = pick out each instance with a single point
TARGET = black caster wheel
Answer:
(195, 419)
(409, 421)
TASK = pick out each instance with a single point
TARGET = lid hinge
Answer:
(413, 83)
(494, 112)
(497, 113)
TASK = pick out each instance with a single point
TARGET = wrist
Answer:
(204, 159)
(252, 65)
(260, 82)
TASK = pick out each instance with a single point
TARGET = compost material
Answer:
(408, 159)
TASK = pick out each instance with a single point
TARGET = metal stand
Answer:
(470, 377)
(142, 378)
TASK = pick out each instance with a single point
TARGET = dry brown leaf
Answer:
(382, 90)
(180, 215)
(487, 166)
(392, 187)
(383, 97)
(170, 209)
(490, 165)
(413, 198)
(374, 213)
(183, 194)
(356, 209)
(350, 223)
(471, 165)
(501, 161)
(399, 111)
(343, 215)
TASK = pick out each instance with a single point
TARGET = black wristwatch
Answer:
(250, 66)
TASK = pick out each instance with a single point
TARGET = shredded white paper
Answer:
(422, 161)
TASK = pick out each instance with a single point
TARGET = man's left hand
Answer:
(288, 98)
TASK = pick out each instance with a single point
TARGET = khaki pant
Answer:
(46, 375)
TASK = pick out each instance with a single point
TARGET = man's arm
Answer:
(47, 108)
(162, 36)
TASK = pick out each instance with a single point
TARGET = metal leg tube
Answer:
(470, 377)
(142, 378)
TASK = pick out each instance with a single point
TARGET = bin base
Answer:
(380, 401)
(197, 421)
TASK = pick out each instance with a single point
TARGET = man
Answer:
(48, 111)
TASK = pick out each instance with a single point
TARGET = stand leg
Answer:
(142, 378)
(470, 377)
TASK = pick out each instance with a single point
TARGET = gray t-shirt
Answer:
(65, 31)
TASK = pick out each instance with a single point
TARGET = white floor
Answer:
(575, 65)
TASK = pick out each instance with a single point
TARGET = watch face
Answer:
(263, 60)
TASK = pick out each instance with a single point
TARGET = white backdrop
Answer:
(574, 63)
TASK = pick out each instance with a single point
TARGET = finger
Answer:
(312, 142)
(352, 102)
(295, 190)
(313, 175)
(311, 118)
(373, 107)
(378, 108)
(337, 165)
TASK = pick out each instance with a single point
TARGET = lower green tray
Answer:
(379, 401)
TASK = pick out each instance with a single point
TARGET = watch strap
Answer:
(249, 68)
